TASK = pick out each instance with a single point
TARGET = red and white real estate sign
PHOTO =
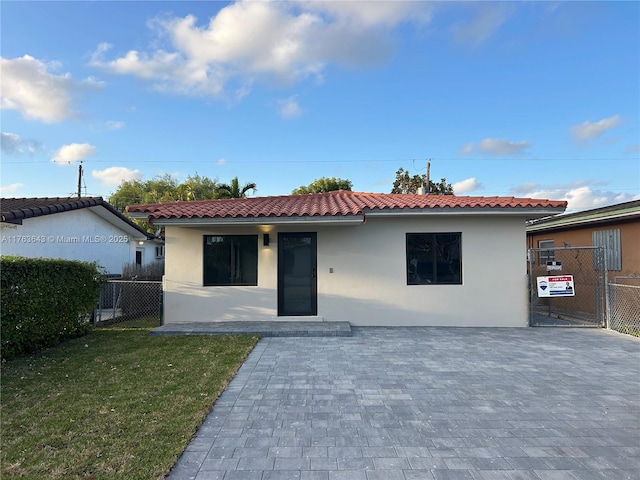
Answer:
(561, 286)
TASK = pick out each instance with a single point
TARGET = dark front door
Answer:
(297, 282)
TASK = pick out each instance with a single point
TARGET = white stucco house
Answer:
(370, 259)
(86, 229)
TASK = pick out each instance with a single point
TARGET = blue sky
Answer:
(528, 99)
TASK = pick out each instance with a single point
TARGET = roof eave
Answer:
(528, 212)
(240, 221)
(560, 222)
(114, 217)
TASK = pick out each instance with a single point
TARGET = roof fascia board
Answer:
(341, 220)
(138, 215)
(109, 216)
(582, 222)
(12, 222)
(350, 219)
(514, 211)
(589, 216)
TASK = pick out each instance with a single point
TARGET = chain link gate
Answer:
(122, 300)
(588, 306)
(624, 305)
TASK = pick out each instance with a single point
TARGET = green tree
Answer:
(197, 188)
(162, 189)
(410, 184)
(130, 192)
(234, 190)
(323, 185)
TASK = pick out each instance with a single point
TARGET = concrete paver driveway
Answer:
(428, 403)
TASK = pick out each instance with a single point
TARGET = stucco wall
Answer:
(73, 235)
(368, 283)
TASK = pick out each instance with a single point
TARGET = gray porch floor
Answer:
(265, 329)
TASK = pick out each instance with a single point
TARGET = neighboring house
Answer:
(370, 259)
(86, 228)
(616, 227)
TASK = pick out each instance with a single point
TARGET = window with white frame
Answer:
(546, 255)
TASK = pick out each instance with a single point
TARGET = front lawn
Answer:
(116, 403)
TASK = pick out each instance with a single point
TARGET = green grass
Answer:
(142, 322)
(116, 403)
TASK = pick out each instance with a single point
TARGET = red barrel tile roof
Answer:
(333, 204)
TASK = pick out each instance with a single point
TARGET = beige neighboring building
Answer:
(370, 259)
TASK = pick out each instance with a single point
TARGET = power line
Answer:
(400, 160)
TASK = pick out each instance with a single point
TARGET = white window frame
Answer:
(546, 252)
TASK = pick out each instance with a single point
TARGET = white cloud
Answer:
(114, 176)
(289, 108)
(488, 19)
(114, 125)
(579, 195)
(221, 161)
(500, 146)
(467, 185)
(11, 189)
(588, 130)
(29, 87)
(249, 41)
(466, 149)
(13, 144)
(368, 14)
(496, 146)
(525, 189)
(10, 142)
(72, 153)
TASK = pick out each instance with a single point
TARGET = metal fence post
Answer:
(113, 303)
(530, 255)
(607, 305)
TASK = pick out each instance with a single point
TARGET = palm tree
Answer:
(234, 190)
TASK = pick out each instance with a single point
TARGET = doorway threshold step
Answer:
(265, 329)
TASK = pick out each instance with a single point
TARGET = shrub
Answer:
(151, 271)
(44, 301)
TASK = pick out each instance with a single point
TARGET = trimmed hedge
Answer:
(44, 301)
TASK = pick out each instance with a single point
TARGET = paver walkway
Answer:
(428, 403)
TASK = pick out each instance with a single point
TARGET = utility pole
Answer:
(428, 189)
(80, 180)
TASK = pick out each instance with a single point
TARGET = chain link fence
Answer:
(624, 305)
(123, 300)
(586, 306)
